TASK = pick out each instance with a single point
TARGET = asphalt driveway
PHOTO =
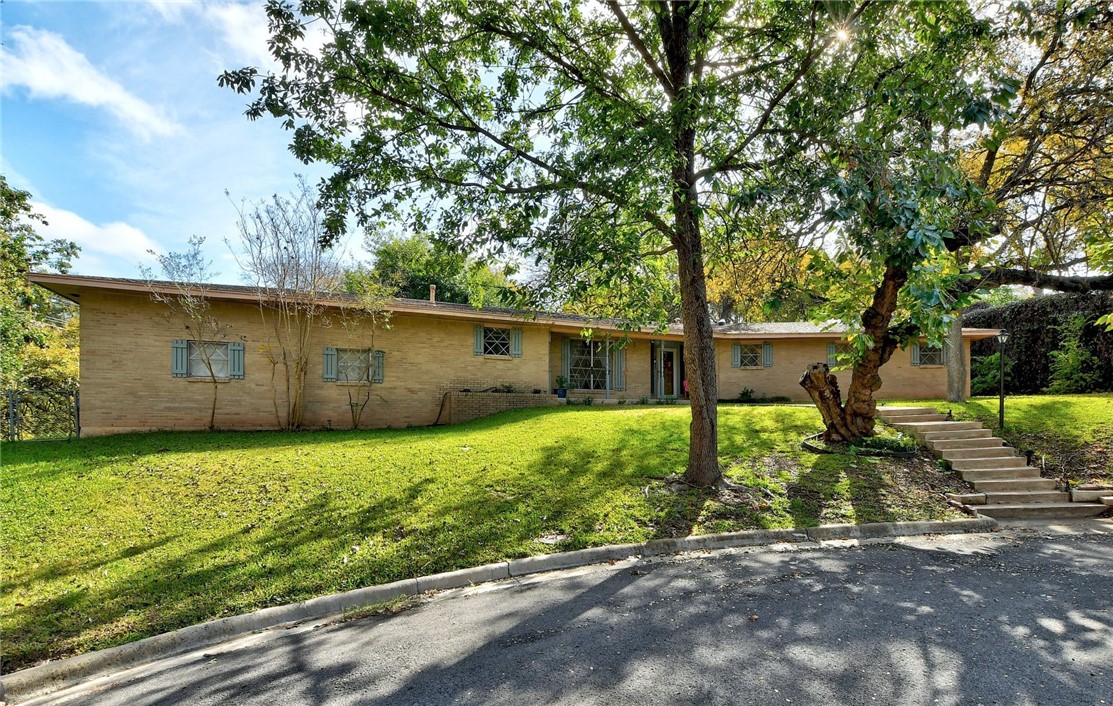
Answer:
(1017, 617)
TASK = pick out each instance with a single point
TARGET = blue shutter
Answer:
(832, 354)
(736, 355)
(478, 340)
(329, 365)
(377, 370)
(566, 359)
(179, 358)
(516, 342)
(235, 360)
(620, 369)
(767, 355)
(915, 354)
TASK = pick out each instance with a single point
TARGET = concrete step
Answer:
(1005, 485)
(991, 452)
(886, 412)
(972, 464)
(913, 419)
(924, 427)
(956, 434)
(1026, 496)
(954, 444)
(1038, 510)
(1000, 474)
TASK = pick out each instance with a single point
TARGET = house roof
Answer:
(72, 286)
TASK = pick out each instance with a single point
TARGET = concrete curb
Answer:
(66, 672)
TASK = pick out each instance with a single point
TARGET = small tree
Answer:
(295, 278)
(369, 314)
(185, 295)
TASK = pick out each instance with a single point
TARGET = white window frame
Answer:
(197, 367)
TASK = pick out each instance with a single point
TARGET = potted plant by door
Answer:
(561, 386)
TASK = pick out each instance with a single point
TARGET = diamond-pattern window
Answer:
(931, 355)
(587, 366)
(751, 357)
(842, 354)
(203, 354)
(353, 365)
(496, 341)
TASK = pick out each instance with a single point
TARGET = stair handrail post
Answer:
(1002, 338)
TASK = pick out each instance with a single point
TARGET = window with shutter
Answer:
(837, 352)
(353, 365)
(930, 355)
(208, 359)
(750, 356)
(496, 341)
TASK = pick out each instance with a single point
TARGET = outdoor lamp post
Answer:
(1002, 339)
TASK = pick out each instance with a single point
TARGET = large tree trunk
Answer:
(857, 417)
(699, 364)
(824, 390)
(699, 346)
(956, 363)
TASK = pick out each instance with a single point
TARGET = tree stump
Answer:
(823, 387)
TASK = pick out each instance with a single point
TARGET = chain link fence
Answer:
(40, 414)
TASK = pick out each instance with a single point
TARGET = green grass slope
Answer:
(107, 540)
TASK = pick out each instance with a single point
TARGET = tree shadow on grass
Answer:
(593, 487)
(325, 544)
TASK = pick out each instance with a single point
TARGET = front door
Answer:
(668, 371)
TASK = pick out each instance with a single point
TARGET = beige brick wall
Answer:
(466, 406)
(900, 379)
(126, 383)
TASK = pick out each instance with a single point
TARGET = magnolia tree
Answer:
(592, 136)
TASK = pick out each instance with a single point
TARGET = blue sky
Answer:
(111, 117)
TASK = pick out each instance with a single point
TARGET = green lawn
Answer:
(1073, 433)
(107, 540)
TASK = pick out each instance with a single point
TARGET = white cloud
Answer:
(114, 248)
(243, 29)
(169, 10)
(48, 67)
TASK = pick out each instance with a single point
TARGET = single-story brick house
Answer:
(140, 371)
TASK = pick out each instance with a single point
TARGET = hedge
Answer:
(1036, 327)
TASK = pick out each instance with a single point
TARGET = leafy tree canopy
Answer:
(30, 315)
(409, 265)
(591, 136)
